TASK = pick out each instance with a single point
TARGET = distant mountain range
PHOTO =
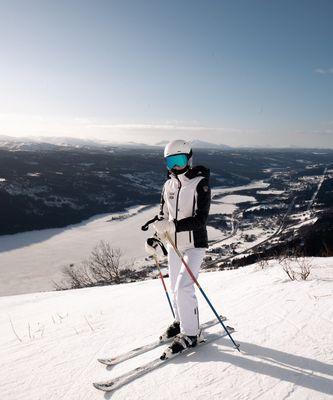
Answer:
(45, 143)
(50, 143)
(200, 144)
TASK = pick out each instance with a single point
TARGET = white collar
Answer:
(181, 177)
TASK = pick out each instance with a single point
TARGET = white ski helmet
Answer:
(178, 147)
(178, 153)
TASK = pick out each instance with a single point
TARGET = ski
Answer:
(124, 379)
(148, 347)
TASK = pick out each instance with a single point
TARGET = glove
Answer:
(152, 244)
(150, 247)
(163, 226)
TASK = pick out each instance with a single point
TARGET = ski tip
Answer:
(103, 386)
(166, 354)
(106, 361)
(163, 338)
(97, 386)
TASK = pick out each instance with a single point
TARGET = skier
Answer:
(184, 209)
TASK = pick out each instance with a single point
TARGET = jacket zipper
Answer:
(179, 187)
(192, 216)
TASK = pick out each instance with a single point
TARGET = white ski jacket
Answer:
(186, 201)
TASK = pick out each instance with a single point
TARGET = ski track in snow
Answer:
(284, 329)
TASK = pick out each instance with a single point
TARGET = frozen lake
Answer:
(31, 261)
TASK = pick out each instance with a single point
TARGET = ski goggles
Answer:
(180, 160)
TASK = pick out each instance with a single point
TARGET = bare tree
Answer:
(104, 263)
(288, 269)
(296, 266)
(305, 266)
(262, 262)
(78, 276)
(101, 268)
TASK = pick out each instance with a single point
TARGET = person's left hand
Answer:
(151, 247)
(163, 226)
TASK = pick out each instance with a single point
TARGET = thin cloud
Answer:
(164, 127)
(321, 71)
(147, 126)
(31, 121)
(40, 125)
(324, 132)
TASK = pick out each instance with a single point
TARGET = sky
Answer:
(237, 72)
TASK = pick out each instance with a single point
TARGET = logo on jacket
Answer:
(171, 196)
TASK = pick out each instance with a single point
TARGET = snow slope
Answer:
(50, 341)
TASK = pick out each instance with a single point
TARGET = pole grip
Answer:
(145, 227)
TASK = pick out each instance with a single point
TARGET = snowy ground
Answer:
(50, 341)
(253, 185)
(270, 191)
(227, 204)
(236, 198)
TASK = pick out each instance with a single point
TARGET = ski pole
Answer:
(154, 242)
(200, 288)
(164, 285)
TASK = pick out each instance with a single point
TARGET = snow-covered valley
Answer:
(31, 261)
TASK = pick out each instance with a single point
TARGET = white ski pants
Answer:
(184, 300)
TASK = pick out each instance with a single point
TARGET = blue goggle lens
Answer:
(178, 159)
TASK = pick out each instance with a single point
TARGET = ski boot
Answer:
(180, 343)
(171, 331)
